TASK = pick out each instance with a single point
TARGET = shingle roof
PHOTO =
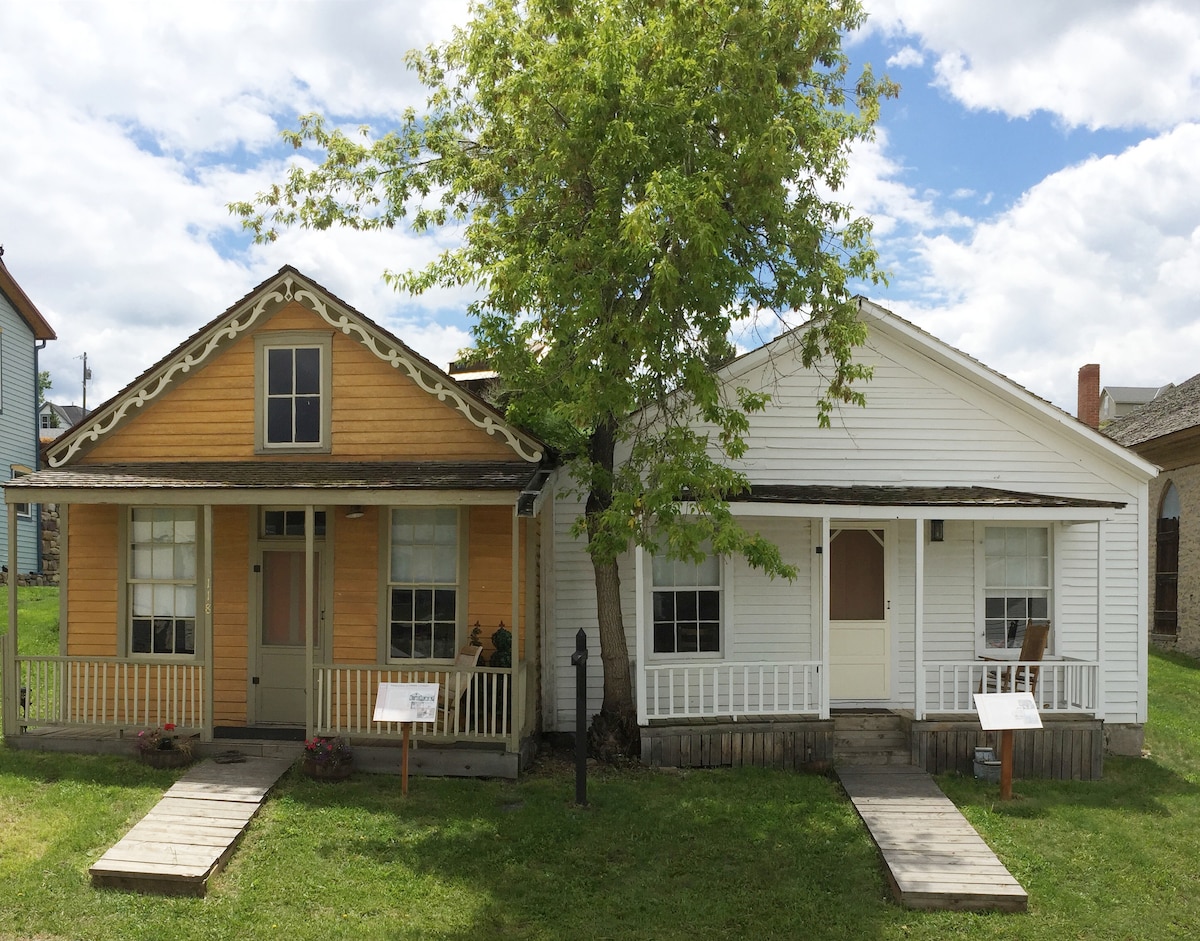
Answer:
(299, 475)
(1175, 410)
(910, 496)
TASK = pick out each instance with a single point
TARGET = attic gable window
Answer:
(293, 379)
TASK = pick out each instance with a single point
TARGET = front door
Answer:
(859, 630)
(280, 683)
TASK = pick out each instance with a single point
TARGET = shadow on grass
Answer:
(700, 854)
(104, 770)
(1130, 785)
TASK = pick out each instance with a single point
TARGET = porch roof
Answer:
(269, 481)
(916, 502)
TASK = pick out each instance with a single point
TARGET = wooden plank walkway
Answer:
(191, 833)
(933, 856)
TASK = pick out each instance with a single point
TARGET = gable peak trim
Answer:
(390, 351)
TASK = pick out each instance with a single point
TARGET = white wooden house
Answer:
(929, 527)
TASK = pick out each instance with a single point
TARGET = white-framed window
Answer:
(162, 580)
(293, 380)
(24, 511)
(1017, 583)
(687, 606)
(423, 583)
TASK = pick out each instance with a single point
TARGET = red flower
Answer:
(168, 726)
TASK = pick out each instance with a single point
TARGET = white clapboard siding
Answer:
(933, 418)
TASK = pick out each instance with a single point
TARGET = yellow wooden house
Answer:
(289, 509)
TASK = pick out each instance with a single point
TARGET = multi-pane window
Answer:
(423, 583)
(162, 580)
(1017, 582)
(687, 605)
(294, 396)
(285, 523)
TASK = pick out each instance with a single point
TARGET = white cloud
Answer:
(906, 58)
(1092, 63)
(1098, 263)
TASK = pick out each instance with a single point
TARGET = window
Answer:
(423, 584)
(687, 605)
(162, 580)
(290, 523)
(24, 511)
(293, 380)
(1016, 582)
(1166, 564)
(47, 420)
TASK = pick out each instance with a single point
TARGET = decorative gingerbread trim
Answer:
(238, 324)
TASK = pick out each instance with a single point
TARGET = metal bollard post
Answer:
(579, 661)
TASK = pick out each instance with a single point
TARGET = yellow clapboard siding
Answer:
(92, 581)
(489, 593)
(378, 413)
(356, 589)
(231, 590)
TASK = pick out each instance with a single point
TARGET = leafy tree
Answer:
(633, 178)
(44, 382)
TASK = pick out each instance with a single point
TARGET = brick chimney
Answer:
(1089, 395)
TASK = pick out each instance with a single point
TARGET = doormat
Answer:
(260, 733)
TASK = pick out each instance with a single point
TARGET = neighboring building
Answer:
(23, 332)
(1119, 401)
(289, 450)
(54, 420)
(928, 527)
(1166, 432)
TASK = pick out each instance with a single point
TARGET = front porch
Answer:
(99, 704)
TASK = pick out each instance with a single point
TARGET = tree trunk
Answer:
(614, 734)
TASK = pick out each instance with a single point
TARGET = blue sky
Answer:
(1035, 190)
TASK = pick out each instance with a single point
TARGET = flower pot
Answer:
(325, 771)
(166, 757)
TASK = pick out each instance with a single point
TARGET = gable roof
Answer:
(23, 305)
(881, 320)
(1176, 410)
(287, 285)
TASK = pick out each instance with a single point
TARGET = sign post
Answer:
(406, 703)
(1004, 713)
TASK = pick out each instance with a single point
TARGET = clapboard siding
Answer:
(231, 616)
(378, 414)
(18, 425)
(929, 420)
(92, 581)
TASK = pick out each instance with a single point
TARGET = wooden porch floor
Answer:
(933, 856)
(191, 833)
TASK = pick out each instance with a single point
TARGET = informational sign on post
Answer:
(999, 711)
(1005, 713)
(406, 703)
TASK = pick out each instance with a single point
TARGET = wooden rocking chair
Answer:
(1021, 679)
(456, 688)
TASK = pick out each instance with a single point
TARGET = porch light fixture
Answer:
(937, 530)
(354, 513)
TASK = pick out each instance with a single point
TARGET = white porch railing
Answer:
(1063, 686)
(107, 691)
(475, 705)
(732, 690)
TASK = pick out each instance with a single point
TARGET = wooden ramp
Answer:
(191, 833)
(933, 856)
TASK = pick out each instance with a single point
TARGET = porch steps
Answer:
(192, 832)
(932, 855)
(870, 738)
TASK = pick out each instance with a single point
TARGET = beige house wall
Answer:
(1187, 484)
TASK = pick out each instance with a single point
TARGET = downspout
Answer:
(11, 684)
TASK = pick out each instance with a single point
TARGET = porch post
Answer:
(639, 628)
(206, 720)
(518, 691)
(10, 637)
(824, 617)
(310, 698)
(1101, 614)
(919, 625)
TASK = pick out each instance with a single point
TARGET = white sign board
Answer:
(406, 702)
(999, 711)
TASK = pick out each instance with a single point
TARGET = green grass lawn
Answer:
(695, 855)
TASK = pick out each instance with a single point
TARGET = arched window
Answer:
(1166, 564)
